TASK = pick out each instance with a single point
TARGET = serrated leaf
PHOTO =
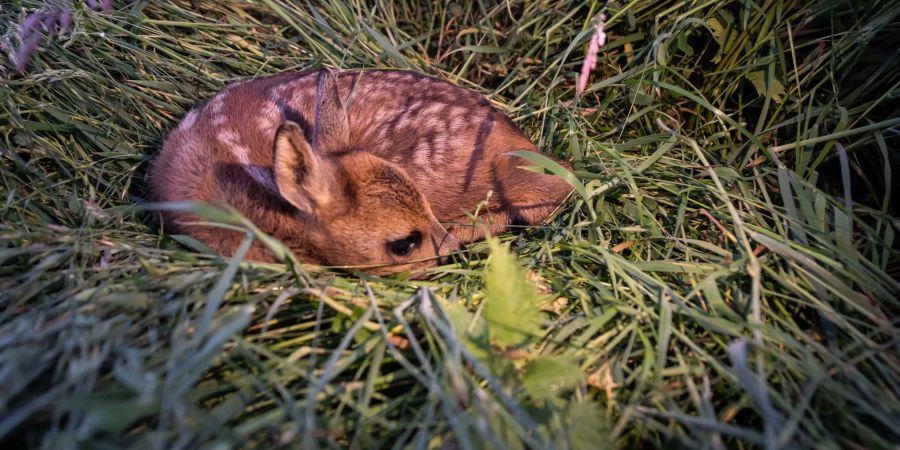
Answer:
(718, 29)
(547, 376)
(775, 89)
(511, 301)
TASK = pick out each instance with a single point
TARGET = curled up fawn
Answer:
(357, 168)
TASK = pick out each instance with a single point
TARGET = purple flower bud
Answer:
(92, 4)
(65, 20)
(49, 22)
(29, 23)
(26, 51)
(107, 6)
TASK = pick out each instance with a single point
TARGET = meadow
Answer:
(724, 275)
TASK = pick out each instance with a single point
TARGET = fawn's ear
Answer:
(331, 130)
(302, 177)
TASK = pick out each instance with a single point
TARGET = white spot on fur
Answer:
(217, 105)
(406, 123)
(456, 124)
(291, 89)
(434, 110)
(280, 91)
(382, 134)
(269, 117)
(421, 157)
(440, 143)
(189, 120)
(457, 119)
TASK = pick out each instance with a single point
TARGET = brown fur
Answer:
(338, 167)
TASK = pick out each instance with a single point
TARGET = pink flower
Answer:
(590, 60)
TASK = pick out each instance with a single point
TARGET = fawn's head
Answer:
(357, 209)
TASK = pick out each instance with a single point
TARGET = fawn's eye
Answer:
(402, 247)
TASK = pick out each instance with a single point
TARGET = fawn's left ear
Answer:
(303, 178)
(331, 130)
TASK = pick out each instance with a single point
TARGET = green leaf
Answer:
(773, 88)
(718, 29)
(663, 148)
(553, 167)
(589, 427)
(486, 49)
(511, 301)
(203, 210)
(547, 376)
(469, 328)
(389, 49)
(192, 243)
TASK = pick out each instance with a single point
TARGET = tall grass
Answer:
(728, 279)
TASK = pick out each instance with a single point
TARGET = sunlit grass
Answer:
(726, 276)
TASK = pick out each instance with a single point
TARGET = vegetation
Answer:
(725, 275)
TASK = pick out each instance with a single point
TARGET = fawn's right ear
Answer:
(302, 177)
(331, 130)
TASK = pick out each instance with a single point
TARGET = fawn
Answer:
(356, 168)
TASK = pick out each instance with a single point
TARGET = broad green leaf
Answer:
(511, 301)
(547, 376)
(553, 167)
(589, 427)
(773, 88)
(718, 29)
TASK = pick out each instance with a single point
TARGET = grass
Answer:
(728, 279)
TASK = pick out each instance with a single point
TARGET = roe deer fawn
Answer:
(357, 168)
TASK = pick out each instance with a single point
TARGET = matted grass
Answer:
(728, 278)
